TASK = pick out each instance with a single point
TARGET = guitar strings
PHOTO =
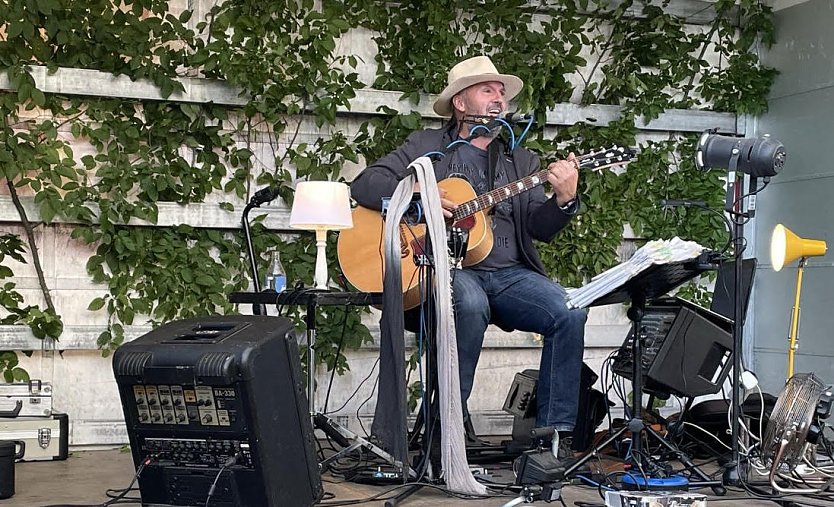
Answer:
(512, 189)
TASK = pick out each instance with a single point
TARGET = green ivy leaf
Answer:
(96, 304)
(20, 375)
(204, 281)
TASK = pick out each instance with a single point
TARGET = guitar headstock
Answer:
(609, 157)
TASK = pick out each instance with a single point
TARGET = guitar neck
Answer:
(493, 197)
(595, 160)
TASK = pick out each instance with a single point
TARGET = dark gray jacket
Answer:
(535, 216)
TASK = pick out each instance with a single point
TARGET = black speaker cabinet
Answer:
(687, 349)
(219, 400)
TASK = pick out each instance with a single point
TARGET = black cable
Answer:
(356, 391)
(741, 197)
(118, 498)
(360, 463)
(373, 391)
(607, 371)
(119, 494)
(426, 325)
(338, 351)
(229, 462)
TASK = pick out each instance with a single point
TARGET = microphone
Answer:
(516, 117)
(493, 121)
(263, 196)
(672, 203)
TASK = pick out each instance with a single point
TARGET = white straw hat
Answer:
(478, 69)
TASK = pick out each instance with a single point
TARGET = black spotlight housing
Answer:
(759, 157)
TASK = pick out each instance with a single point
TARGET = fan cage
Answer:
(791, 419)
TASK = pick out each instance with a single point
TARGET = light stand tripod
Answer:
(763, 157)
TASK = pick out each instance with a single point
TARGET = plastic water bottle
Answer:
(276, 279)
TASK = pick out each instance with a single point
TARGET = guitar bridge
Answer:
(458, 241)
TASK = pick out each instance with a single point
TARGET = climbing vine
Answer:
(111, 166)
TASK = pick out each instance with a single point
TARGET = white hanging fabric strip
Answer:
(456, 470)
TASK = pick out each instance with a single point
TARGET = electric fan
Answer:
(795, 423)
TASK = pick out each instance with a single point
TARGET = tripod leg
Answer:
(351, 441)
(717, 486)
(593, 451)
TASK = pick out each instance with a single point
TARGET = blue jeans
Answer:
(520, 298)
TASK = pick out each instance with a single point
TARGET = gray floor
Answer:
(84, 477)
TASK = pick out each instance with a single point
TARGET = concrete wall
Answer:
(801, 115)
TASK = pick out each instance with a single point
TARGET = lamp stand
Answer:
(795, 318)
(321, 260)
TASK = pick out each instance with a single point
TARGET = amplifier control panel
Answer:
(196, 452)
(194, 406)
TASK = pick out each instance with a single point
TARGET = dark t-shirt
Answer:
(471, 164)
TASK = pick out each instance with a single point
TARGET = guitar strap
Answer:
(493, 152)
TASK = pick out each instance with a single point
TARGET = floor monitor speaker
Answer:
(216, 404)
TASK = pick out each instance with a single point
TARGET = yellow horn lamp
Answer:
(786, 247)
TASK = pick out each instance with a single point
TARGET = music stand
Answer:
(649, 284)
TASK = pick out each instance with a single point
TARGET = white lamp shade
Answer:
(321, 205)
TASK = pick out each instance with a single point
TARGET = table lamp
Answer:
(786, 247)
(321, 206)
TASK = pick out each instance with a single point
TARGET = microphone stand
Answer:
(250, 251)
(262, 196)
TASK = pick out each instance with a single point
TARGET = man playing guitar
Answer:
(508, 287)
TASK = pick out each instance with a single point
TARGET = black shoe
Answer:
(564, 453)
(540, 465)
(565, 450)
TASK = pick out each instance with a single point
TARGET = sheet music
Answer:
(654, 252)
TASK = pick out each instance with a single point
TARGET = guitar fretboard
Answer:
(596, 160)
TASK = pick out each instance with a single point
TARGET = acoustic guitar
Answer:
(361, 250)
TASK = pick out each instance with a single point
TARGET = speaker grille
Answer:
(132, 363)
(216, 364)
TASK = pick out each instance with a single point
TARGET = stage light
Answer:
(760, 157)
(321, 206)
(786, 247)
